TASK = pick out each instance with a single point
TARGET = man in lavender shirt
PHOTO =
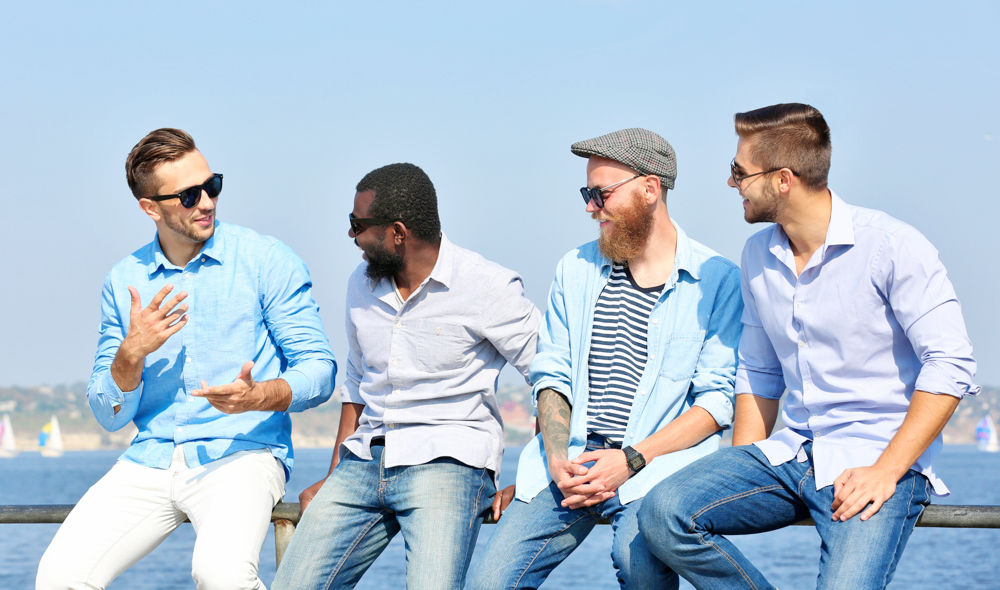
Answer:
(851, 312)
(430, 325)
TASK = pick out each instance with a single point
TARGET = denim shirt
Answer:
(249, 298)
(694, 330)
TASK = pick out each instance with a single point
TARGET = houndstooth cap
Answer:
(639, 149)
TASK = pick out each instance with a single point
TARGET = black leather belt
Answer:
(378, 441)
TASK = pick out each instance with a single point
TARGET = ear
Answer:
(785, 180)
(150, 208)
(399, 232)
(653, 188)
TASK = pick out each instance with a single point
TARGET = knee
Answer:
(55, 574)
(663, 519)
(225, 575)
(486, 575)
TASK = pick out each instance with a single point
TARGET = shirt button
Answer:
(203, 259)
(815, 415)
(179, 429)
(656, 321)
(187, 275)
(394, 362)
(631, 435)
(399, 324)
(802, 344)
(797, 304)
(437, 330)
(188, 359)
(392, 426)
(399, 391)
(643, 392)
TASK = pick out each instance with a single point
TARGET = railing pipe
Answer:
(286, 515)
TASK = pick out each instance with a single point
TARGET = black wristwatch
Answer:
(635, 459)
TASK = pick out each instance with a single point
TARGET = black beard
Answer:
(382, 263)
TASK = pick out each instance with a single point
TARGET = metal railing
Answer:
(286, 515)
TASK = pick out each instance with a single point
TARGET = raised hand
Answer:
(151, 326)
(308, 494)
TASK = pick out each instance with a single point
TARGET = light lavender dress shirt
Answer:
(426, 370)
(872, 317)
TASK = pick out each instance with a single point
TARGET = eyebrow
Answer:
(738, 166)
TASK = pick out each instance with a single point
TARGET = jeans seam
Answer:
(803, 481)
(354, 545)
(899, 535)
(479, 494)
(527, 566)
(726, 556)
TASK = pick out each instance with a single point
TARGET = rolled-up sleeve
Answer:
(552, 366)
(103, 393)
(924, 302)
(292, 317)
(510, 321)
(713, 382)
(758, 370)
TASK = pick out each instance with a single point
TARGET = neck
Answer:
(805, 219)
(179, 252)
(420, 260)
(654, 265)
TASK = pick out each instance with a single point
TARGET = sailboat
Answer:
(7, 447)
(50, 439)
(986, 435)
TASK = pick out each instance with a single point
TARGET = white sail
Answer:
(7, 447)
(986, 435)
(53, 446)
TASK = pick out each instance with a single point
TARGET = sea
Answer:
(935, 558)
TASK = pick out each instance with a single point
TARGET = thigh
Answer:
(440, 507)
(118, 521)
(636, 567)
(344, 530)
(733, 491)
(530, 540)
(862, 555)
(229, 502)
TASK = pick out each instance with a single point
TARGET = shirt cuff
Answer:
(944, 378)
(760, 384)
(718, 405)
(115, 395)
(300, 385)
(349, 395)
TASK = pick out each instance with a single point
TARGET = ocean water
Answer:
(935, 559)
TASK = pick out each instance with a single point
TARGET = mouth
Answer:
(205, 221)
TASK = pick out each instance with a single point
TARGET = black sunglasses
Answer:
(190, 196)
(597, 194)
(738, 179)
(356, 222)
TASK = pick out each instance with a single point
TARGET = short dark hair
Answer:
(789, 136)
(158, 147)
(404, 191)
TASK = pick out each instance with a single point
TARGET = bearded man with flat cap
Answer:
(633, 377)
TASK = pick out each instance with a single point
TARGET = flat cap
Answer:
(639, 149)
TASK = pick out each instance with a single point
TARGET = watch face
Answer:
(635, 463)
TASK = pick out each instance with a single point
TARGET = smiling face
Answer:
(626, 220)
(174, 222)
(382, 262)
(760, 197)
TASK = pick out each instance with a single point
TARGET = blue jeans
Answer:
(736, 491)
(532, 538)
(439, 507)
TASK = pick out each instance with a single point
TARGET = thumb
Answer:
(136, 303)
(245, 371)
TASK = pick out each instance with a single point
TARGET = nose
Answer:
(205, 202)
(592, 206)
(351, 234)
(731, 182)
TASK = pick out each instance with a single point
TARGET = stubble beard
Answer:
(632, 228)
(383, 263)
(765, 208)
(189, 231)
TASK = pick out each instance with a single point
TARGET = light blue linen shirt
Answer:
(872, 317)
(249, 298)
(694, 330)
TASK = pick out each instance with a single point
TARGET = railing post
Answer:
(283, 530)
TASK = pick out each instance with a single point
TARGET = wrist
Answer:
(634, 459)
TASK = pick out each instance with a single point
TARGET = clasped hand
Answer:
(586, 486)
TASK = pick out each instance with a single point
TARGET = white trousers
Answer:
(133, 509)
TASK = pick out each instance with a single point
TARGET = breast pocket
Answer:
(229, 326)
(441, 346)
(680, 357)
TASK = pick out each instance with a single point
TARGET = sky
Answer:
(296, 102)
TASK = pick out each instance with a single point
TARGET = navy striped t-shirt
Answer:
(618, 351)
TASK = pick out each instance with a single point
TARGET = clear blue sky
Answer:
(294, 104)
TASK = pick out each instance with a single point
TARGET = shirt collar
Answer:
(840, 232)
(443, 268)
(683, 255)
(213, 248)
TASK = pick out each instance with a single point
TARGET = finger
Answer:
(496, 505)
(840, 481)
(872, 509)
(245, 372)
(574, 502)
(852, 505)
(158, 298)
(304, 499)
(173, 302)
(584, 490)
(176, 326)
(136, 303)
(598, 498)
(573, 482)
(587, 457)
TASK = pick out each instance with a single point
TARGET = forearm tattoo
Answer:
(553, 418)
